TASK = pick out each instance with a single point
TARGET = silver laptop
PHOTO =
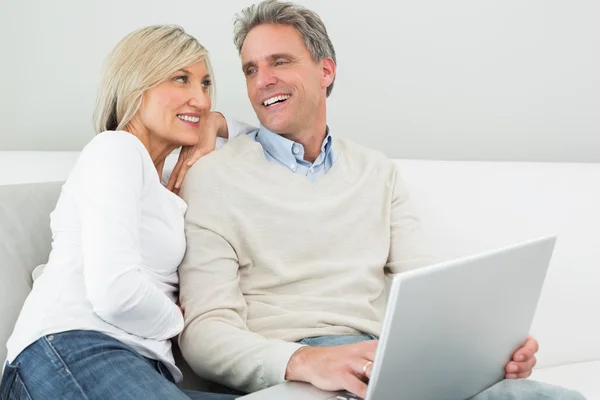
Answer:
(449, 329)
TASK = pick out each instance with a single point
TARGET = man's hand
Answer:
(212, 126)
(334, 368)
(523, 360)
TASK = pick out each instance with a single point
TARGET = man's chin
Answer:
(278, 127)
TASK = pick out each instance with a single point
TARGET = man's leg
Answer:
(325, 341)
(526, 389)
(195, 395)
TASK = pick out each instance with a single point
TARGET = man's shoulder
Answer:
(360, 154)
(216, 168)
(234, 151)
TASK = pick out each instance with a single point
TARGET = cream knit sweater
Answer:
(273, 258)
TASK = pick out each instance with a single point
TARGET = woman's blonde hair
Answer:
(141, 61)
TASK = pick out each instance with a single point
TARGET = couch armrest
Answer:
(25, 242)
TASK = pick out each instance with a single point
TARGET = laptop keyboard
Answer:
(345, 396)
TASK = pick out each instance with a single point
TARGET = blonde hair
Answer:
(141, 61)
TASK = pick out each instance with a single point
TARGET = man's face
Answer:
(285, 86)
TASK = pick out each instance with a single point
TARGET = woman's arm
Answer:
(215, 130)
(109, 190)
(231, 128)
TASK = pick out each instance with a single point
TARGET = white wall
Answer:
(461, 79)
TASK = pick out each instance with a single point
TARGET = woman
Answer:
(98, 322)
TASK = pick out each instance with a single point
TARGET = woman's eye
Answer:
(181, 79)
(207, 83)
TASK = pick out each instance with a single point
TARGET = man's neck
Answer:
(311, 139)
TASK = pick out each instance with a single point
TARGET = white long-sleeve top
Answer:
(118, 238)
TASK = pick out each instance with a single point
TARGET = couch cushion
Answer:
(583, 377)
(25, 241)
(469, 207)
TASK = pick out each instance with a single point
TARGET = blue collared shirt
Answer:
(290, 154)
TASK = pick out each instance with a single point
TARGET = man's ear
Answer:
(328, 68)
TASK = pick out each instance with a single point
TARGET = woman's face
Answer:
(172, 112)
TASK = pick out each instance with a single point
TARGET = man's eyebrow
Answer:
(275, 56)
(271, 58)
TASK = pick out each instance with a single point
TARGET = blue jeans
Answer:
(508, 389)
(89, 365)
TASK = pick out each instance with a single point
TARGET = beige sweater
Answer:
(273, 258)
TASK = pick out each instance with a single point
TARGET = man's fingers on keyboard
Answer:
(354, 385)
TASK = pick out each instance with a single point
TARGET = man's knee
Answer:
(522, 389)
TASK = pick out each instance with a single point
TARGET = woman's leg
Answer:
(89, 365)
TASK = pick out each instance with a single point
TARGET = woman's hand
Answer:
(214, 125)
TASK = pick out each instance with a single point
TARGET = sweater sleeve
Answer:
(408, 243)
(109, 191)
(215, 341)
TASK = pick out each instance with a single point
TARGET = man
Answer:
(291, 232)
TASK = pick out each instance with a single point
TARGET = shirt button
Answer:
(292, 166)
(296, 150)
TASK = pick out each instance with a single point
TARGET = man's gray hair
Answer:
(307, 22)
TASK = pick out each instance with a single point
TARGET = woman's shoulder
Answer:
(116, 141)
(115, 154)
(117, 148)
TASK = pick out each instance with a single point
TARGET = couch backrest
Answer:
(25, 240)
(35, 166)
(468, 207)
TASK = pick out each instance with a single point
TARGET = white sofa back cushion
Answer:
(35, 166)
(473, 206)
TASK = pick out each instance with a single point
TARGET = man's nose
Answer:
(265, 78)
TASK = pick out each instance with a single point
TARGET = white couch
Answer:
(467, 206)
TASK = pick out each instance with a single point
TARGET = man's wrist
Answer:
(297, 365)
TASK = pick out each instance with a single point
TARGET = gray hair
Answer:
(307, 22)
(141, 61)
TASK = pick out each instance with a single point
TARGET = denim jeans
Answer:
(508, 389)
(92, 366)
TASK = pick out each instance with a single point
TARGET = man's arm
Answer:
(407, 242)
(334, 368)
(216, 341)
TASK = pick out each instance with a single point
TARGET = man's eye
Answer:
(250, 71)
(280, 62)
(181, 79)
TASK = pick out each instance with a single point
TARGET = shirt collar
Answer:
(282, 149)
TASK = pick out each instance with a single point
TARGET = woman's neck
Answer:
(158, 149)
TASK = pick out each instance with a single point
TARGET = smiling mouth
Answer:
(276, 100)
(189, 118)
